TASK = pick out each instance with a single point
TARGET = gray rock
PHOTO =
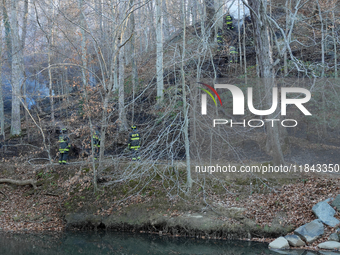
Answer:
(325, 213)
(329, 245)
(336, 202)
(334, 237)
(279, 243)
(295, 240)
(310, 231)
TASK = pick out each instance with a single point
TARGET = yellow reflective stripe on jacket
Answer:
(233, 50)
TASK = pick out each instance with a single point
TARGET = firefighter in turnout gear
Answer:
(232, 54)
(64, 146)
(96, 143)
(134, 143)
(229, 22)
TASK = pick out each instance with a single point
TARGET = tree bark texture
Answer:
(159, 47)
(266, 72)
(17, 70)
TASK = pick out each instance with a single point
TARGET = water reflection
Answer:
(121, 243)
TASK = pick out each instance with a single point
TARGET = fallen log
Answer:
(20, 182)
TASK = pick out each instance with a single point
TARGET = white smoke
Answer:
(233, 6)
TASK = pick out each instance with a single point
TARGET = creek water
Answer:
(121, 243)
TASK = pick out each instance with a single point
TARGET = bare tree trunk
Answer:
(50, 84)
(323, 32)
(2, 112)
(203, 18)
(17, 70)
(219, 14)
(285, 59)
(194, 12)
(244, 46)
(122, 115)
(49, 37)
(322, 40)
(83, 46)
(133, 59)
(99, 9)
(24, 24)
(185, 108)
(324, 117)
(166, 25)
(265, 60)
(84, 79)
(239, 33)
(210, 11)
(334, 42)
(152, 28)
(103, 126)
(194, 98)
(7, 25)
(23, 39)
(159, 42)
(121, 63)
(115, 74)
